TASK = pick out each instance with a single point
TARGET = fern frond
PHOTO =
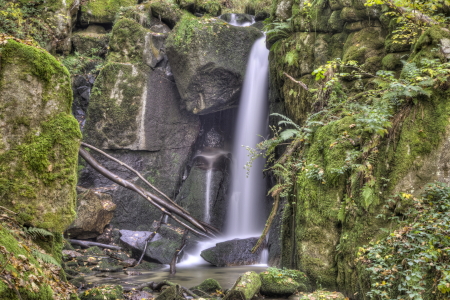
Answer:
(46, 258)
(36, 233)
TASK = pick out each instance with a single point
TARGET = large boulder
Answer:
(161, 248)
(135, 106)
(236, 252)
(39, 138)
(208, 59)
(95, 210)
(245, 288)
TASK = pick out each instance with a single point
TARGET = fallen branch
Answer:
(162, 205)
(173, 263)
(296, 81)
(150, 237)
(88, 244)
(269, 221)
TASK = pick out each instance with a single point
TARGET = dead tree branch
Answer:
(173, 263)
(150, 237)
(164, 206)
(88, 244)
(296, 81)
(269, 221)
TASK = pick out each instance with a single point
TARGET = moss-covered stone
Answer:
(211, 52)
(39, 137)
(279, 285)
(245, 287)
(208, 286)
(364, 44)
(132, 43)
(105, 292)
(90, 43)
(168, 12)
(393, 61)
(102, 11)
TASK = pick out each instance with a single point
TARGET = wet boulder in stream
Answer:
(235, 252)
(161, 248)
(208, 59)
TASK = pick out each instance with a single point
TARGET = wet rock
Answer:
(162, 247)
(108, 265)
(238, 18)
(68, 254)
(128, 262)
(246, 287)
(208, 59)
(95, 210)
(165, 11)
(261, 16)
(148, 266)
(233, 253)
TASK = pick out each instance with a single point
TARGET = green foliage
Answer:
(37, 233)
(412, 262)
(413, 17)
(26, 20)
(48, 259)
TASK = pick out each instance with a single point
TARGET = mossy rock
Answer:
(174, 292)
(105, 292)
(148, 266)
(39, 138)
(213, 53)
(393, 61)
(245, 288)
(363, 44)
(167, 12)
(89, 43)
(208, 286)
(133, 43)
(102, 11)
(279, 285)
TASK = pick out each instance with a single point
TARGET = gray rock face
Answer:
(134, 114)
(95, 210)
(161, 248)
(208, 62)
(236, 252)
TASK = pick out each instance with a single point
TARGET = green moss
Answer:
(42, 155)
(127, 42)
(42, 65)
(393, 61)
(105, 292)
(283, 285)
(114, 105)
(208, 286)
(167, 11)
(106, 9)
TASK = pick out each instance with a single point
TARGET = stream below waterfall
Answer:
(187, 276)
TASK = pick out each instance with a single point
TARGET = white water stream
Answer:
(246, 213)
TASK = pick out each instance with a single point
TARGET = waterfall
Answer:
(208, 195)
(246, 214)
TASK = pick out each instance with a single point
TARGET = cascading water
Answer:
(246, 213)
(208, 196)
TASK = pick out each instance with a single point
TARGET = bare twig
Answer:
(88, 244)
(297, 81)
(150, 237)
(10, 211)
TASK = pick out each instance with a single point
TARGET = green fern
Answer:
(48, 259)
(37, 233)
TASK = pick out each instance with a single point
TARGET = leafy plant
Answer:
(412, 261)
(37, 233)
